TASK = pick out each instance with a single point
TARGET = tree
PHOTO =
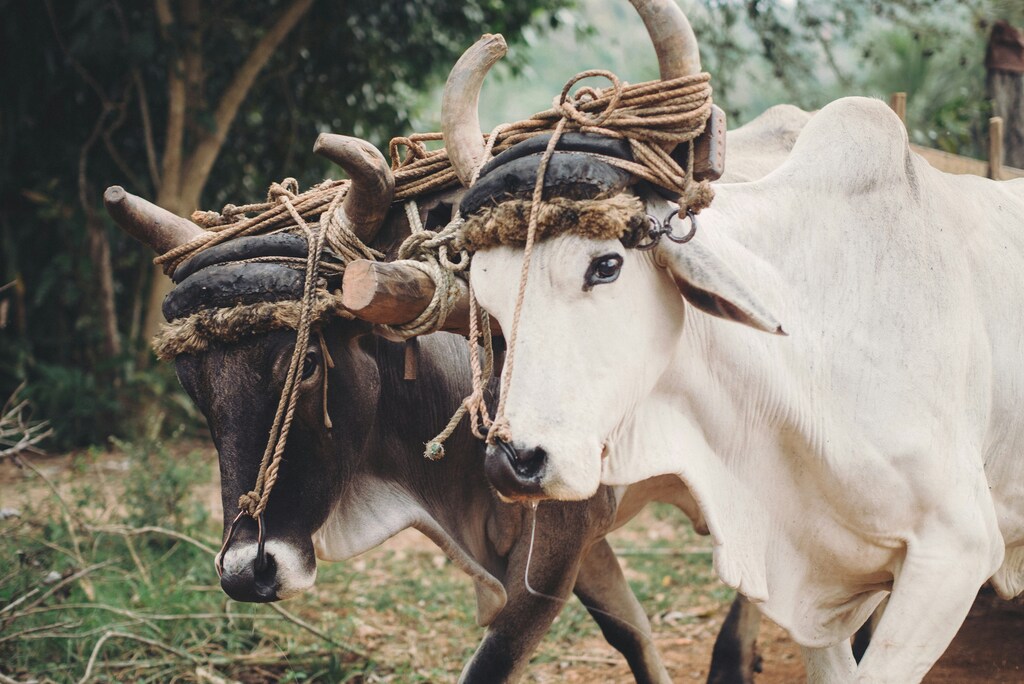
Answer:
(188, 103)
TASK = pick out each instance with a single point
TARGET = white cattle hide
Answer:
(878, 446)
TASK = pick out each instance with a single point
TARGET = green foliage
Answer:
(86, 569)
(804, 52)
(159, 484)
(86, 104)
(80, 407)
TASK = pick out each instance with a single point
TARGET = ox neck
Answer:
(408, 413)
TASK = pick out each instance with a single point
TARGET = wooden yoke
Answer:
(392, 294)
(709, 148)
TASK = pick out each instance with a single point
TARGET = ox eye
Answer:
(603, 269)
(309, 365)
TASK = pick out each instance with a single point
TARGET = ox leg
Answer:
(830, 665)
(563, 531)
(734, 659)
(603, 589)
(931, 596)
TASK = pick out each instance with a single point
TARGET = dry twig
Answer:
(17, 431)
(317, 632)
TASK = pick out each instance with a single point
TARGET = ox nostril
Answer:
(265, 576)
(514, 472)
(528, 463)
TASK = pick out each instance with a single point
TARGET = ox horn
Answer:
(146, 222)
(672, 36)
(460, 121)
(373, 184)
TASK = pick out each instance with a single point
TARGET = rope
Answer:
(254, 502)
(683, 105)
(427, 251)
(652, 116)
(500, 428)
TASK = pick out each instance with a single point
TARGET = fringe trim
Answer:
(194, 334)
(597, 219)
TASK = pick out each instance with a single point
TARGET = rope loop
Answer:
(289, 187)
(569, 107)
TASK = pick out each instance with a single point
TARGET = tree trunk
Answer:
(1005, 63)
(185, 172)
(99, 253)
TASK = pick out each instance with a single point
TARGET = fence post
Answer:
(995, 148)
(1004, 60)
(898, 103)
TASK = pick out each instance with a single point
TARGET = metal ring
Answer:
(654, 232)
(261, 541)
(219, 562)
(689, 235)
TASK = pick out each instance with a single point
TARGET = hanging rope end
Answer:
(434, 451)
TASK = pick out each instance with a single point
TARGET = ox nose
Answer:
(513, 471)
(247, 579)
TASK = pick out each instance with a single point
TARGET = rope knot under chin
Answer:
(248, 502)
(500, 430)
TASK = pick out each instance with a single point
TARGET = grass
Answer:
(109, 578)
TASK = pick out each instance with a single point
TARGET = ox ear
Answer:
(706, 282)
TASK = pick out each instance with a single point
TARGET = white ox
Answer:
(874, 449)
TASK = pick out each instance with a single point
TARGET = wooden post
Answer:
(898, 103)
(393, 293)
(1005, 63)
(995, 148)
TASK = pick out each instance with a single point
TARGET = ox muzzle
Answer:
(516, 471)
(259, 573)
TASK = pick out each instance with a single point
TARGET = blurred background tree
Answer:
(161, 97)
(194, 103)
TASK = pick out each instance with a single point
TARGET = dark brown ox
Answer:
(344, 490)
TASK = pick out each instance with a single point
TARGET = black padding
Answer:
(573, 175)
(224, 285)
(238, 249)
(568, 142)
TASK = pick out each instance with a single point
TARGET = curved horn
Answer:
(672, 35)
(148, 223)
(460, 122)
(373, 184)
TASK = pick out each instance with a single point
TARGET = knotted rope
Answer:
(616, 112)
(427, 251)
(653, 117)
(254, 502)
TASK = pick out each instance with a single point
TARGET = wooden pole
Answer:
(1004, 60)
(995, 148)
(391, 293)
(898, 103)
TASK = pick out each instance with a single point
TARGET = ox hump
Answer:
(855, 144)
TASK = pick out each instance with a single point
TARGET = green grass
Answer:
(81, 579)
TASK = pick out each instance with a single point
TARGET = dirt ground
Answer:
(989, 647)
